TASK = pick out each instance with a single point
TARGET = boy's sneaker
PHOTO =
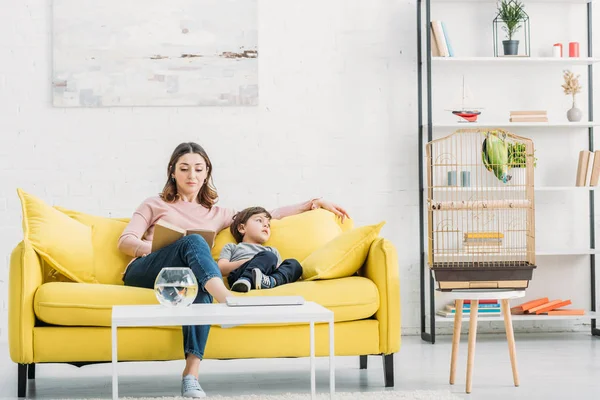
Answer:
(191, 388)
(262, 281)
(241, 285)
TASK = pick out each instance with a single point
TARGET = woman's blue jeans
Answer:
(190, 251)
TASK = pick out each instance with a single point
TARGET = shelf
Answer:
(515, 188)
(567, 252)
(516, 60)
(506, 124)
(528, 1)
(566, 188)
(515, 318)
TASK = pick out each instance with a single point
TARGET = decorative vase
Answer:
(511, 47)
(176, 287)
(574, 114)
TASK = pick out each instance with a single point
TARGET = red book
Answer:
(492, 301)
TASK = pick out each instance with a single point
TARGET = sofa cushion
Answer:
(62, 242)
(342, 256)
(295, 236)
(109, 261)
(79, 304)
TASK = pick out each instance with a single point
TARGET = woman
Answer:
(188, 201)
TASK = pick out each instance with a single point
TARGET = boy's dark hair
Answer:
(242, 217)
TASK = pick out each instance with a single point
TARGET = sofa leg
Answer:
(31, 371)
(388, 369)
(22, 380)
(363, 362)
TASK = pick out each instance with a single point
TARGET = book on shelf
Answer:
(440, 44)
(480, 311)
(529, 116)
(543, 306)
(582, 167)
(467, 307)
(484, 301)
(595, 174)
(166, 233)
(567, 311)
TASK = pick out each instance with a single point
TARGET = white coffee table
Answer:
(221, 314)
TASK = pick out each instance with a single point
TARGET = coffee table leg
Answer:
(312, 360)
(115, 382)
(331, 360)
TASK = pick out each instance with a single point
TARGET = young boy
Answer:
(250, 265)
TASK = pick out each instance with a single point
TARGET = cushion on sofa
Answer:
(295, 236)
(77, 304)
(109, 261)
(342, 256)
(61, 241)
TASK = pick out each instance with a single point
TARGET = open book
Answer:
(166, 233)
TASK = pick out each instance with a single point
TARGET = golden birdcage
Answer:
(481, 214)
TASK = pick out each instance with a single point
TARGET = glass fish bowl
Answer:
(176, 287)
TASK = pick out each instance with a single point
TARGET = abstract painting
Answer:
(155, 53)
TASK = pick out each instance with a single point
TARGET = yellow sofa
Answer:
(56, 318)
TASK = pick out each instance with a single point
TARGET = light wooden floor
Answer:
(551, 366)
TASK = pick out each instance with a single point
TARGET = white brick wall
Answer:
(337, 97)
(337, 119)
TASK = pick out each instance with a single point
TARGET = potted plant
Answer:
(511, 13)
(572, 87)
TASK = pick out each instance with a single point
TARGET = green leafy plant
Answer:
(517, 155)
(511, 13)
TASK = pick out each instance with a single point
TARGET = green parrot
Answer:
(494, 153)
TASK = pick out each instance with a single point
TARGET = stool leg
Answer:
(458, 306)
(511, 339)
(472, 339)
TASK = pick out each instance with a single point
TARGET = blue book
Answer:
(450, 50)
(482, 306)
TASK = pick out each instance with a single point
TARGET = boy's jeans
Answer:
(289, 271)
(190, 251)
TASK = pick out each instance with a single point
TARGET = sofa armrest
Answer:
(381, 267)
(25, 276)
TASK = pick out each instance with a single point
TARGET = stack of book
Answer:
(528, 116)
(485, 308)
(483, 242)
(545, 307)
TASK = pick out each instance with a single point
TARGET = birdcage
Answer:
(481, 222)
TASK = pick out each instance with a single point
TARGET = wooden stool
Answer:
(474, 296)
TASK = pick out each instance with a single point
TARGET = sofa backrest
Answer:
(57, 233)
(295, 237)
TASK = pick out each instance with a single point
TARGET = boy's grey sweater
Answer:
(240, 251)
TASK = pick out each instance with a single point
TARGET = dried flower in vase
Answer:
(571, 85)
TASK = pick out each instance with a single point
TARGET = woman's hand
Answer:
(334, 208)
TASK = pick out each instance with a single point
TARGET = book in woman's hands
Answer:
(166, 233)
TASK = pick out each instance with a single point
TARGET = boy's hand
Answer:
(334, 208)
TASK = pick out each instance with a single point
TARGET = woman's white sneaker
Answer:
(191, 388)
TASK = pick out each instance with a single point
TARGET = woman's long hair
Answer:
(208, 192)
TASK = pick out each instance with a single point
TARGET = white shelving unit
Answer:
(427, 126)
(505, 124)
(482, 317)
(504, 189)
(517, 61)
